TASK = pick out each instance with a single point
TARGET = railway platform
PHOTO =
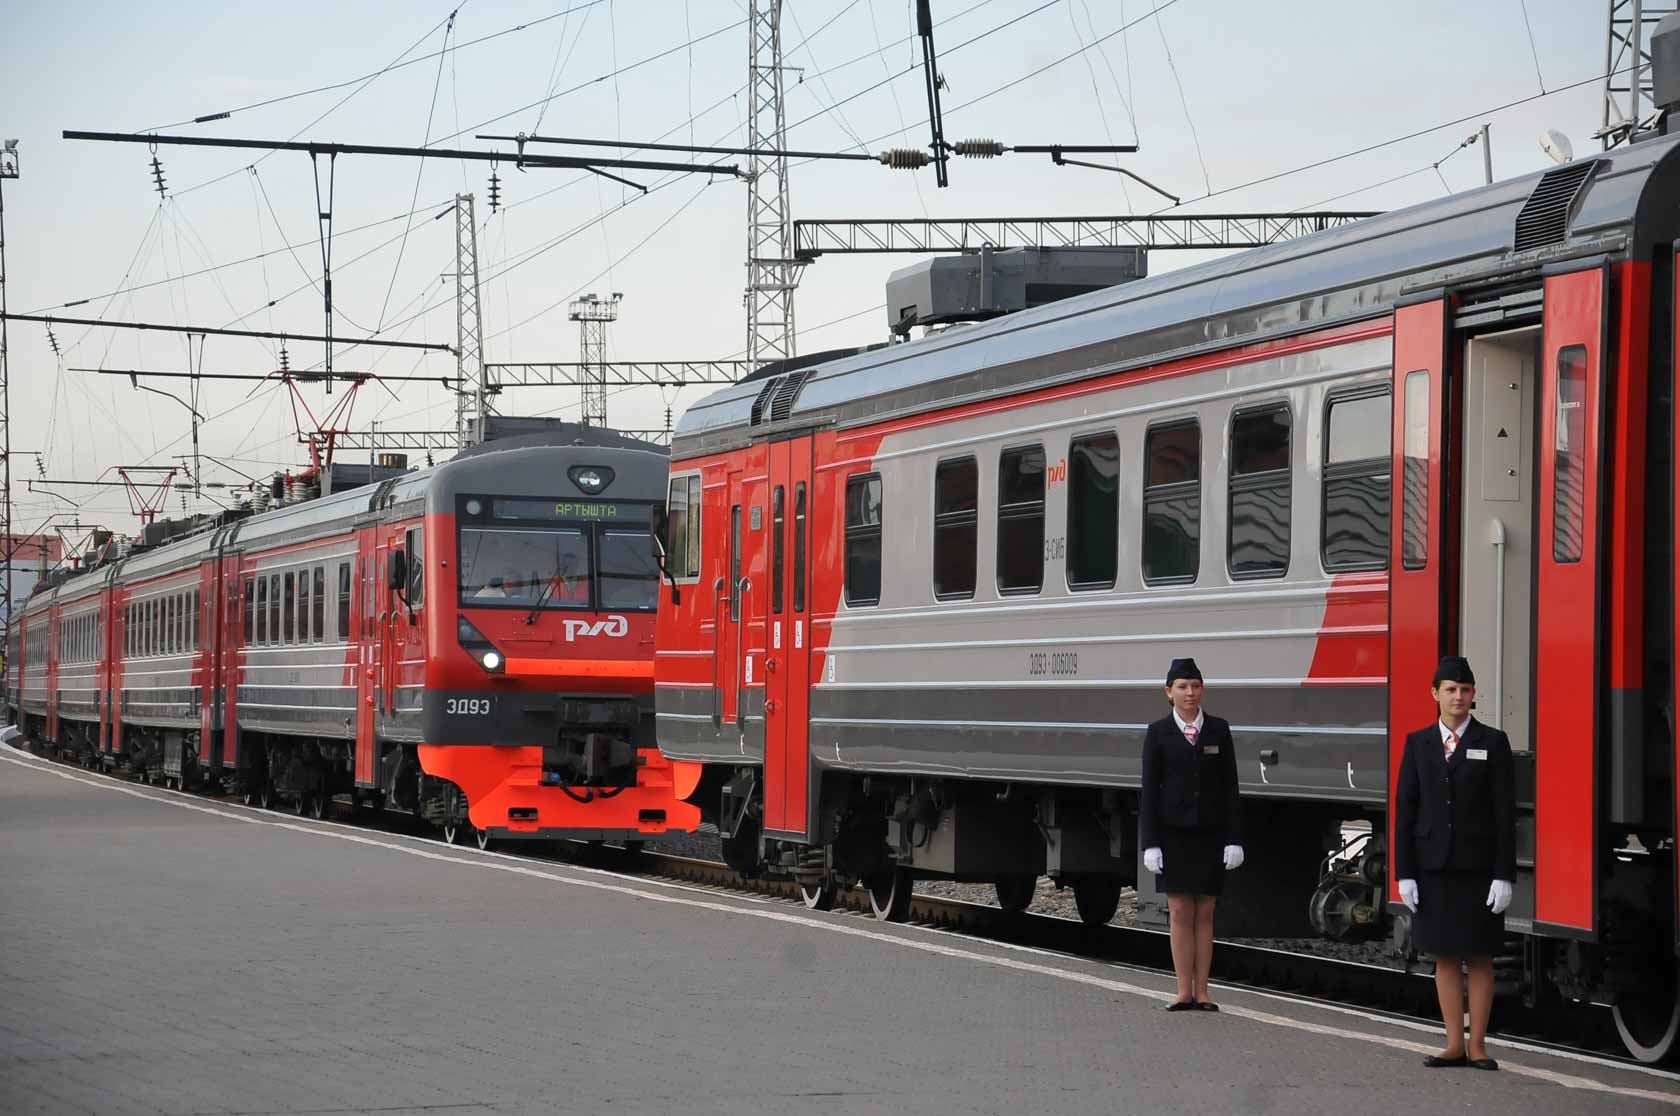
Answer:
(165, 953)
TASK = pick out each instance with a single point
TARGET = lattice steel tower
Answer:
(8, 545)
(592, 315)
(1628, 103)
(772, 272)
(473, 387)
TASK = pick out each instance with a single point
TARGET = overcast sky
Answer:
(1217, 93)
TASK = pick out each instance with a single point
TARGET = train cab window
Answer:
(629, 579)
(799, 547)
(1020, 525)
(416, 547)
(318, 620)
(250, 611)
(1172, 503)
(1358, 474)
(1258, 510)
(288, 609)
(778, 559)
(262, 610)
(682, 528)
(1569, 460)
(863, 539)
(274, 608)
(1414, 474)
(956, 524)
(343, 602)
(1093, 512)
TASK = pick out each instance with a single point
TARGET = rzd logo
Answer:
(614, 627)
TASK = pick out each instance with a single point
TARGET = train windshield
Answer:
(535, 554)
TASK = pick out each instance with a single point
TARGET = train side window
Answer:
(304, 603)
(863, 539)
(1358, 476)
(416, 548)
(1093, 512)
(274, 608)
(344, 602)
(262, 610)
(799, 547)
(735, 562)
(1569, 460)
(197, 603)
(318, 621)
(1020, 522)
(682, 528)
(1172, 503)
(1414, 474)
(250, 611)
(956, 525)
(1258, 507)
(288, 610)
(778, 561)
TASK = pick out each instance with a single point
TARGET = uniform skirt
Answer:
(1453, 918)
(1193, 862)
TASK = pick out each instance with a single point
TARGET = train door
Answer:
(364, 628)
(726, 591)
(102, 674)
(229, 641)
(385, 644)
(787, 655)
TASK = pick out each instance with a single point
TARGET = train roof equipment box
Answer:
(987, 283)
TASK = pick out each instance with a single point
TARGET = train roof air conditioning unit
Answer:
(987, 283)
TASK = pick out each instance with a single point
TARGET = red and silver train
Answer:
(471, 643)
(922, 598)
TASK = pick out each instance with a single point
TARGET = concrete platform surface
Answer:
(161, 953)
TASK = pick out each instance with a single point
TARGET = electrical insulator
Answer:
(495, 191)
(285, 359)
(903, 158)
(157, 176)
(977, 148)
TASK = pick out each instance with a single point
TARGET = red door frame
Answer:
(728, 642)
(365, 623)
(1416, 624)
(1568, 632)
(787, 662)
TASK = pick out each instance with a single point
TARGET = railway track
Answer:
(1391, 992)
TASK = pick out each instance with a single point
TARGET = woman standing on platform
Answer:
(1455, 854)
(1189, 823)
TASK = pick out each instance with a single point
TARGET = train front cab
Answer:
(538, 696)
(1521, 515)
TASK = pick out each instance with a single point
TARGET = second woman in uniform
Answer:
(1189, 825)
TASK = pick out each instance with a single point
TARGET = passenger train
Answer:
(471, 643)
(920, 600)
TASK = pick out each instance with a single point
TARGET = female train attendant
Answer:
(1188, 825)
(1455, 841)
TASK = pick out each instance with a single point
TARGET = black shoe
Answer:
(1182, 1005)
(1482, 1064)
(1206, 1005)
(1435, 1061)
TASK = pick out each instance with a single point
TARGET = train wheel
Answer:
(889, 894)
(482, 837)
(818, 896)
(1015, 893)
(265, 796)
(300, 804)
(1648, 1018)
(1097, 898)
(320, 804)
(455, 833)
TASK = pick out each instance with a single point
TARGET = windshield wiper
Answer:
(542, 597)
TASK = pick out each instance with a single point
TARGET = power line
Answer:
(203, 330)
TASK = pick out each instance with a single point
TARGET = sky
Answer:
(1222, 98)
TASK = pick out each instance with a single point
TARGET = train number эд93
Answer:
(469, 707)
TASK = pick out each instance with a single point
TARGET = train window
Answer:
(416, 547)
(262, 610)
(288, 609)
(1358, 473)
(1020, 527)
(318, 622)
(735, 562)
(250, 610)
(1414, 475)
(629, 579)
(799, 547)
(778, 561)
(1172, 503)
(956, 524)
(344, 602)
(1569, 461)
(863, 539)
(304, 602)
(274, 608)
(1259, 507)
(682, 528)
(197, 603)
(1093, 512)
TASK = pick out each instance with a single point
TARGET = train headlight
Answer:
(491, 661)
(590, 479)
(478, 645)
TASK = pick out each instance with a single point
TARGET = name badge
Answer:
(1210, 749)
(1475, 753)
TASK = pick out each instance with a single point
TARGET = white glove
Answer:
(1152, 861)
(1499, 896)
(1408, 894)
(1233, 857)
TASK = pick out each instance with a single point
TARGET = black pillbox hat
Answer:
(1183, 668)
(1454, 668)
